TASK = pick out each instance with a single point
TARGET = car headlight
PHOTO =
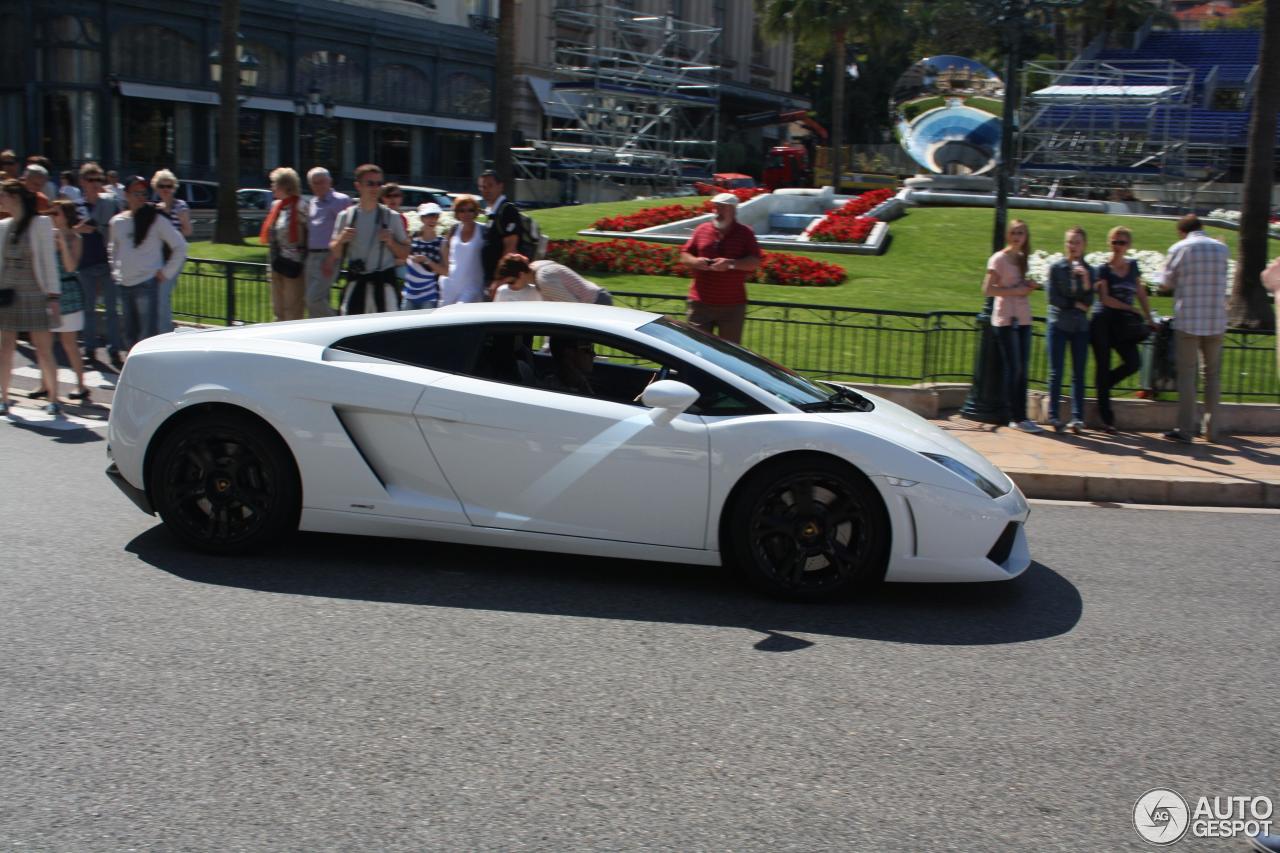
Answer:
(955, 466)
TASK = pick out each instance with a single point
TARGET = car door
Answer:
(524, 457)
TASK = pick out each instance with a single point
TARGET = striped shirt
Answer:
(558, 283)
(1196, 271)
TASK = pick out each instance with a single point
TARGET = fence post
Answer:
(926, 365)
(229, 273)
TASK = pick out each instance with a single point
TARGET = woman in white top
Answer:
(462, 255)
(136, 250)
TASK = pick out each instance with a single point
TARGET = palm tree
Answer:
(1249, 303)
(504, 85)
(228, 225)
(828, 22)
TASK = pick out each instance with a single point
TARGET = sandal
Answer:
(81, 394)
(38, 394)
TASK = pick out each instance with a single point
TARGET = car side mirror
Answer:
(668, 398)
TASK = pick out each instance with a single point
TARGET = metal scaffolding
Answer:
(635, 99)
(1092, 125)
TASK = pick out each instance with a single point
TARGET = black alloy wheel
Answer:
(809, 531)
(226, 484)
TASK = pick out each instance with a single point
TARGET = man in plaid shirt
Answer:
(1195, 271)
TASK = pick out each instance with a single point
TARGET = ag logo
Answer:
(1161, 816)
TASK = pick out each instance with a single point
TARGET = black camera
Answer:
(355, 266)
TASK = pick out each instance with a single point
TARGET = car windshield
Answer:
(764, 374)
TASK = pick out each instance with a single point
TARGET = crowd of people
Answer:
(123, 244)
(96, 239)
(1105, 309)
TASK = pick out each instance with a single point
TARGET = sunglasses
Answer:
(94, 180)
(138, 193)
(1119, 242)
(395, 195)
(166, 186)
(8, 162)
(466, 210)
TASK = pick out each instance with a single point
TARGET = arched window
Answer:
(467, 95)
(153, 52)
(273, 70)
(336, 75)
(69, 50)
(401, 87)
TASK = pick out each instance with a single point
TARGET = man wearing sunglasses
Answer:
(96, 211)
(373, 240)
(1195, 272)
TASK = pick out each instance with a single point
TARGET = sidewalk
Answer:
(1131, 467)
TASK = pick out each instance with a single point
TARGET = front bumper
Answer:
(132, 492)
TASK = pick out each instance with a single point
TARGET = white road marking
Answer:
(92, 378)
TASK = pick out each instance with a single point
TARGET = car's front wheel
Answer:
(226, 483)
(809, 529)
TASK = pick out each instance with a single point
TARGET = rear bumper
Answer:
(132, 492)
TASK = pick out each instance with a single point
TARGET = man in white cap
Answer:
(721, 253)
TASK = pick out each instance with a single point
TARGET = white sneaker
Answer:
(1027, 426)
(1076, 426)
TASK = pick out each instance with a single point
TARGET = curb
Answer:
(1217, 492)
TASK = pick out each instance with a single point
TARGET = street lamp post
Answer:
(233, 70)
(314, 104)
(986, 399)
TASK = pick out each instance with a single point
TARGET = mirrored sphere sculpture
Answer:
(947, 115)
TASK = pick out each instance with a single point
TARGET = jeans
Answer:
(1102, 335)
(1058, 341)
(139, 309)
(407, 304)
(164, 306)
(96, 281)
(1014, 343)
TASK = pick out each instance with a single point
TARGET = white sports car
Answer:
(554, 427)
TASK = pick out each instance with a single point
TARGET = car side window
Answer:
(572, 361)
(449, 349)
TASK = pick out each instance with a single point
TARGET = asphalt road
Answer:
(361, 694)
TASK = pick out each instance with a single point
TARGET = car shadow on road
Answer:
(1039, 604)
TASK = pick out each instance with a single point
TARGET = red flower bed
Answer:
(849, 224)
(646, 218)
(861, 204)
(633, 256)
(843, 229)
(651, 216)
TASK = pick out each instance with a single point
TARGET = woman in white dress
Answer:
(461, 254)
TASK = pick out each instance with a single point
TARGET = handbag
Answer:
(6, 297)
(287, 267)
(71, 299)
(1131, 329)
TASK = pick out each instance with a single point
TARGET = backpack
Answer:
(532, 243)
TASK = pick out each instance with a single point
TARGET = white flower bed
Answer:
(1234, 216)
(1151, 263)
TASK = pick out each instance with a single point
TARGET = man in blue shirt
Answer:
(96, 210)
(320, 268)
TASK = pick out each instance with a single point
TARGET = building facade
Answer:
(405, 84)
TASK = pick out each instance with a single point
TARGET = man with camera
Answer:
(372, 238)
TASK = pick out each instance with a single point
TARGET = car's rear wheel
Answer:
(809, 529)
(226, 483)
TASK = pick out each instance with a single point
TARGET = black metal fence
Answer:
(822, 341)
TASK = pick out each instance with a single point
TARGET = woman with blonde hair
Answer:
(165, 185)
(1007, 282)
(29, 288)
(284, 232)
(1114, 326)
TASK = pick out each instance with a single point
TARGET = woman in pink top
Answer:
(1011, 318)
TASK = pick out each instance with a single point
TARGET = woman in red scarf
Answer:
(285, 232)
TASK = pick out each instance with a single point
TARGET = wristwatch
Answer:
(733, 265)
